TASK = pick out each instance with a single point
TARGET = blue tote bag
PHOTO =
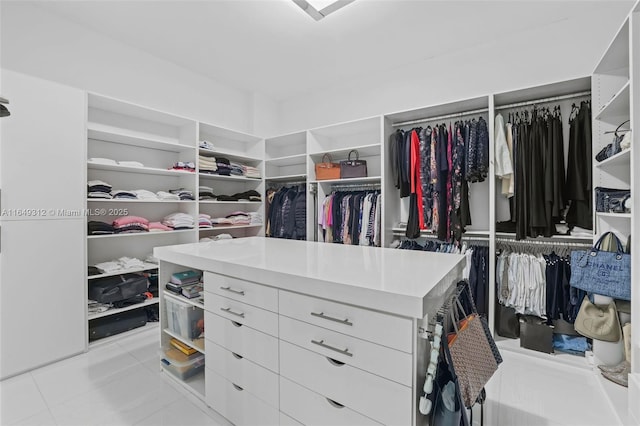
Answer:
(602, 272)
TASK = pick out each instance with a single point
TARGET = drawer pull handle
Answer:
(240, 292)
(238, 388)
(236, 355)
(321, 343)
(237, 324)
(228, 310)
(323, 316)
(333, 403)
(335, 362)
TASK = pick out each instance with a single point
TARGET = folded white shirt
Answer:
(143, 194)
(164, 195)
(98, 160)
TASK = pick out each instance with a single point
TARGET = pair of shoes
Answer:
(619, 377)
(614, 368)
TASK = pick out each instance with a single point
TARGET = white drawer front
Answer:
(251, 377)
(257, 318)
(313, 409)
(254, 345)
(243, 291)
(387, 330)
(373, 396)
(380, 360)
(288, 421)
(238, 406)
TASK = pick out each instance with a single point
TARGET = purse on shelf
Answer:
(615, 146)
(327, 169)
(610, 200)
(602, 272)
(353, 168)
(598, 322)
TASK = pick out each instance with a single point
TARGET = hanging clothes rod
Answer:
(285, 183)
(355, 186)
(543, 242)
(441, 117)
(544, 100)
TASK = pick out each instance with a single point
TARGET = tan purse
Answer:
(598, 322)
(327, 169)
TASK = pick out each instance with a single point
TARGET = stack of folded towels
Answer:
(207, 164)
(130, 224)
(204, 221)
(251, 172)
(178, 221)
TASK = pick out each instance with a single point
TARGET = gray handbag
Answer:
(353, 168)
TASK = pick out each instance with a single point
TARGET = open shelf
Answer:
(614, 215)
(229, 155)
(145, 267)
(363, 151)
(183, 340)
(286, 178)
(193, 302)
(288, 160)
(511, 235)
(615, 60)
(229, 178)
(116, 337)
(103, 132)
(141, 170)
(114, 311)
(196, 383)
(617, 109)
(370, 179)
(139, 234)
(622, 158)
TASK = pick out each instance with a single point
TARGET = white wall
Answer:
(266, 116)
(37, 42)
(564, 50)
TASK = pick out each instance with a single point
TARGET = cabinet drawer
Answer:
(242, 291)
(370, 395)
(381, 360)
(313, 409)
(252, 344)
(394, 332)
(288, 421)
(257, 318)
(254, 379)
(237, 405)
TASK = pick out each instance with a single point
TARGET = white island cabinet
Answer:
(299, 332)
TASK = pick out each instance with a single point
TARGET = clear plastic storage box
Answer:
(183, 319)
(180, 365)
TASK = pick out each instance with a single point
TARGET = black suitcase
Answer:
(117, 287)
(100, 328)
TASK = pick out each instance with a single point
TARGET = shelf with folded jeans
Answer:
(612, 201)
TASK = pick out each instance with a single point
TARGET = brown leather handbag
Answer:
(327, 169)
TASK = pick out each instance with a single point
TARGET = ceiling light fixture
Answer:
(321, 8)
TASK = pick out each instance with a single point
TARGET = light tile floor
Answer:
(120, 383)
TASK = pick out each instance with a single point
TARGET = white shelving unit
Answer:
(122, 131)
(242, 149)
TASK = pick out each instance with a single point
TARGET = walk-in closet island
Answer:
(301, 332)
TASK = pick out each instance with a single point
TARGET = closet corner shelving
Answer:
(121, 131)
(240, 148)
(616, 97)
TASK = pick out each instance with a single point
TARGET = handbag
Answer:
(327, 169)
(609, 200)
(602, 272)
(598, 322)
(471, 355)
(614, 147)
(353, 168)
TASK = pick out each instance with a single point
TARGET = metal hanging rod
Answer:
(441, 117)
(355, 186)
(544, 100)
(542, 243)
(286, 183)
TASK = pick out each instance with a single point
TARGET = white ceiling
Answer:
(273, 47)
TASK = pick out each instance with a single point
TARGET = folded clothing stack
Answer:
(236, 169)
(98, 189)
(239, 218)
(143, 194)
(224, 166)
(206, 145)
(183, 194)
(120, 264)
(250, 195)
(95, 227)
(204, 221)
(158, 227)
(251, 172)
(577, 231)
(130, 224)
(207, 164)
(206, 193)
(187, 166)
(255, 218)
(121, 194)
(110, 162)
(178, 221)
(167, 196)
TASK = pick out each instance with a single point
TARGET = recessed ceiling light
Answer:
(318, 9)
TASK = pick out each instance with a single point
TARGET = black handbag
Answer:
(614, 147)
(117, 288)
(353, 168)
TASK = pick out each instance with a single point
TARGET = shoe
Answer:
(621, 378)
(614, 368)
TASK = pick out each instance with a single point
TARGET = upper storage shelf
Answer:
(106, 133)
(344, 136)
(617, 109)
(240, 146)
(615, 60)
(422, 116)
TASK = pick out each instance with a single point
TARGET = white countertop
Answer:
(401, 282)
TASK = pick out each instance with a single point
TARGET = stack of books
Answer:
(186, 283)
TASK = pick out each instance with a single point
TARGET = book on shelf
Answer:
(185, 349)
(186, 277)
(192, 291)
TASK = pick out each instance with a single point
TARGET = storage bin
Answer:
(184, 319)
(180, 365)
